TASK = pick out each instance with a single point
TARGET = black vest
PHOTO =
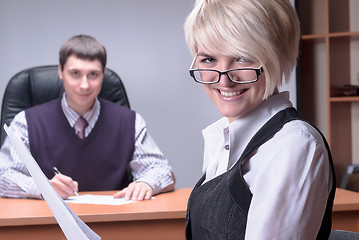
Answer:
(100, 161)
(218, 209)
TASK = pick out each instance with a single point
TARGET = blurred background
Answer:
(146, 48)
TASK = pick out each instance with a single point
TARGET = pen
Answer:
(56, 171)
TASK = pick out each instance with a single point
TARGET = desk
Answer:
(345, 213)
(159, 218)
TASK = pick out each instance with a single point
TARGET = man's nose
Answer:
(84, 82)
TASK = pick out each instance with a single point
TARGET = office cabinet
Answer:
(328, 65)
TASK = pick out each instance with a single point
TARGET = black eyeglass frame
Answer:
(258, 71)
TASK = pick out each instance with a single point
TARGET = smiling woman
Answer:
(235, 85)
(267, 170)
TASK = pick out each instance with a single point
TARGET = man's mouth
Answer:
(232, 94)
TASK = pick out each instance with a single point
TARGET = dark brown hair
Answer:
(83, 47)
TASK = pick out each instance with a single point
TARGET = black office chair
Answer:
(350, 179)
(41, 84)
(343, 235)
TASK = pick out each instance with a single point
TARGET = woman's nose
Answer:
(224, 80)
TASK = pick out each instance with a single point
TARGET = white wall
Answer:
(146, 47)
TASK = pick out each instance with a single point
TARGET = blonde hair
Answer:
(265, 31)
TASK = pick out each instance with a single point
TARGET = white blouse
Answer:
(289, 175)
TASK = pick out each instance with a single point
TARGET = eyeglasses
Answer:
(238, 75)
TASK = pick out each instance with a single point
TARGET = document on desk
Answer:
(72, 226)
(98, 199)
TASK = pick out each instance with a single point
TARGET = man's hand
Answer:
(136, 191)
(64, 185)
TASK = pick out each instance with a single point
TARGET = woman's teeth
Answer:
(231, 94)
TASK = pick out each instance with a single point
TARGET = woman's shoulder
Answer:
(300, 132)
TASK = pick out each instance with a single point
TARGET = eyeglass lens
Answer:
(243, 75)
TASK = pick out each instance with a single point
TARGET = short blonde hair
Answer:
(265, 31)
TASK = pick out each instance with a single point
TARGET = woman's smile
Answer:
(232, 93)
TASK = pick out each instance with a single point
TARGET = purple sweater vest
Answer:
(100, 161)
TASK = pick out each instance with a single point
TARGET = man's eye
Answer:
(75, 74)
(93, 75)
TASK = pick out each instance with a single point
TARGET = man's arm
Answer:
(150, 169)
(15, 180)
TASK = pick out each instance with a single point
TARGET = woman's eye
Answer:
(243, 60)
(208, 60)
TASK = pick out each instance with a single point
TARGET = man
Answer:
(98, 157)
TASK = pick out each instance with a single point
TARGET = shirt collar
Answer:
(243, 129)
(217, 128)
(214, 136)
(91, 116)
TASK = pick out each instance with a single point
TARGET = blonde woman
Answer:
(268, 172)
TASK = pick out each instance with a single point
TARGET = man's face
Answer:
(82, 82)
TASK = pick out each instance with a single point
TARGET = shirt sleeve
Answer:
(290, 179)
(15, 180)
(149, 164)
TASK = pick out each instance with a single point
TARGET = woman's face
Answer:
(233, 100)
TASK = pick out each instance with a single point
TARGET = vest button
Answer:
(226, 147)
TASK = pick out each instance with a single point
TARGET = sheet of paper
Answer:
(72, 226)
(98, 199)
